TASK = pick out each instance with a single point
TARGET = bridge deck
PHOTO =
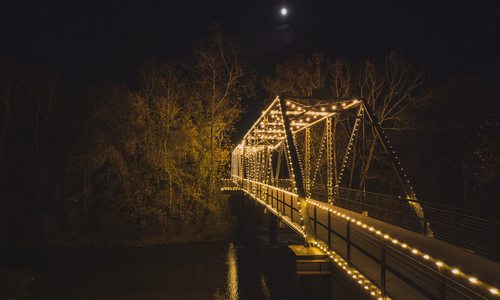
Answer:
(468, 261)
(382, 252)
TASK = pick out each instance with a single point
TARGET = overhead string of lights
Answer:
(350, 146)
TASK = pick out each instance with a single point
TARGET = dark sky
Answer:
(90, 40)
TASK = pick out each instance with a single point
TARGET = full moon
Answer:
(283, 11)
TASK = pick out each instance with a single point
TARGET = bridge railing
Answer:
(395, 271)
(475, 233)
(449, 224)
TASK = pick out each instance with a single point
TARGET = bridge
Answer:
(327, 170)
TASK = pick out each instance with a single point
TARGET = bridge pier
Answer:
(240, 213)
(313, 272)
(273, 229)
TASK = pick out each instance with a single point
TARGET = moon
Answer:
(284, 11)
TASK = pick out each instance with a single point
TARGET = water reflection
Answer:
(232, 272)
(265, 289)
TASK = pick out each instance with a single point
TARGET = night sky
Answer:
(91, 40)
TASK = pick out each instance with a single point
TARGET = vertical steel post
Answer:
(329, 229)
(307, 161)
(243, 157)
(329, 158)
(315, 221)
(348, 241)
(265, 160)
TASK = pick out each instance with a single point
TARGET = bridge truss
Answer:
(312, 163)
(322, 149)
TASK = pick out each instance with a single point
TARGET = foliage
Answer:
(137, 163)
(220, 82)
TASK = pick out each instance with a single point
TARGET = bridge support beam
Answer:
(273, 229)
(329, 159)
(410, 194)
(296, 173)
(307, 161)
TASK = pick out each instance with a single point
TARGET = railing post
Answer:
(329, 229)
(425, 226)
(267, 195)
(362, 202)
(315, 215)
(455, 229)
(378, 206)
(283, 203)
(400, 212)
(348, 241)
(383, 288)
(492, 239)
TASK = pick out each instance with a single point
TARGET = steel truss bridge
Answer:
(327, 169)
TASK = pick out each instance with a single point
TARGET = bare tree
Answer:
(391, 89)
(298, 76)
(221, 82)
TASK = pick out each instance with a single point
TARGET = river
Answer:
(217, 270)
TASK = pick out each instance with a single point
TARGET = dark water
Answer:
(220, 270)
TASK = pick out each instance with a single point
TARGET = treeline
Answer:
(133, 163)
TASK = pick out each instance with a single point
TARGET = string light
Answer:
(415, 251)
(254, 157)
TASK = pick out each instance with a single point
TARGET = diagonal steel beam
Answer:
(296, 172)
(410, 194)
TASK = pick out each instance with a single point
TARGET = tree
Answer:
(486, 169)
(298, 76)
(391, 89)
(221, 81)
(31, 145)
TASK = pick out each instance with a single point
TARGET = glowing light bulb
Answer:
(284, 11)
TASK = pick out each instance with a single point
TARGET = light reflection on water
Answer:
(232, 272)
(265, 289)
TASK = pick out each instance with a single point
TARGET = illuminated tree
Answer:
(220, 82)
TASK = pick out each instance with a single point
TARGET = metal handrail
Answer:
(398, 272)
(474, 233)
